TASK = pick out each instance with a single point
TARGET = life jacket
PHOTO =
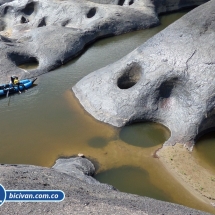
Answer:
(16, 81)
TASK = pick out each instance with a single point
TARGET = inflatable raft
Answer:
(11, 89)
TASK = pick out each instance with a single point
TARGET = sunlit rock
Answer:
(78, 167)
(50, 33)
(169, 79)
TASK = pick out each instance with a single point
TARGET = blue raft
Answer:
(14, 89)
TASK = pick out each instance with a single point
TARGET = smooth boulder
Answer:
(169, 80)
(78, 167)
(49, 33)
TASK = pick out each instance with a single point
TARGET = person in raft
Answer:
(15, 81)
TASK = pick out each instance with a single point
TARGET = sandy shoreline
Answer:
(182, 165)
(117, 152)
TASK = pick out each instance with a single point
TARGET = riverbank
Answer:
(183, 166)
(116, 153)
(82, 194)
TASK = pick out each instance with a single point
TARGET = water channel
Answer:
(47, 122)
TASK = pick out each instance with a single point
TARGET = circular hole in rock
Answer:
(131, 179)
(91, 13)
(130, 76)
(24, 20)
(29, 8)
(131, 2)
(167, 87)
(24, 61)
(147, 134)
(121, 2)
(97, 142)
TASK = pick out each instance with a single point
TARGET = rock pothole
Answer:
(130, 76)
(21, 60)
(121, 2)
(91, 13)
(166, 88)
(29, 8)
(131, 2)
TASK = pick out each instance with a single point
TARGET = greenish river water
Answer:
(125, 178)
(204, 151)
(47, 122)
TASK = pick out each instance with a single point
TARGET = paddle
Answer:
(7, 92)
(8, 104)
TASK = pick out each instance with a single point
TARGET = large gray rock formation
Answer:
(50, 32)
(80, 196)
(169, 79)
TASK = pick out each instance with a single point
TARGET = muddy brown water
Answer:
(47, 122)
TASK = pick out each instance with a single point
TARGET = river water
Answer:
(204, 151)
(47, 122)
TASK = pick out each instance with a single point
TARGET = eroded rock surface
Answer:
(80, 196)
(169, 79)
(49, 32)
